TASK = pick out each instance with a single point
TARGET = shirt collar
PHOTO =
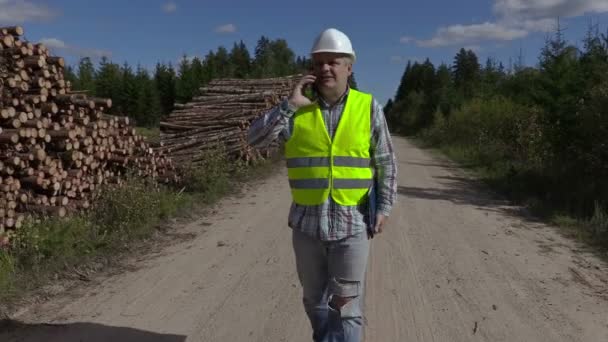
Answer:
(341, 100)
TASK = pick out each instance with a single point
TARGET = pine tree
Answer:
(240, 60)
(428, 87)
(164, 78)
(559, 86)
(262, 58)
(444, 88)
(222, 59)
(127, 103)
(303, 64)
(283, 59)
(387, 108)
(70, 75)
(147, 112)
(352, 82)
(186, 83)
(466, 72)
(401, 90)
(86, 76)
(108, 82)
(492, 77)
(210, 68)
(594, 59)
(198, 71)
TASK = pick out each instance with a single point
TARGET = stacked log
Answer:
(58, 146)
(221, 116)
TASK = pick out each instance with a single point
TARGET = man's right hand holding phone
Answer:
(297, 98)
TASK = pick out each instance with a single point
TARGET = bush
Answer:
(494, 131)
(599, 224)
(129, 209)
(210, 177)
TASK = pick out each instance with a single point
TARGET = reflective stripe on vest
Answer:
(319, 167)
(325, 161)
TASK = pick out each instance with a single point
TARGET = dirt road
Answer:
(454, 265)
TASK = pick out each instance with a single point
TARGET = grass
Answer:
(150, 133)
(45, 248)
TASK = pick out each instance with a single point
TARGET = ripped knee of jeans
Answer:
(345, 295)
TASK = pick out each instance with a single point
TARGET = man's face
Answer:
(332, 70)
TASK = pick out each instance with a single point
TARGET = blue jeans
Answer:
(328, 269)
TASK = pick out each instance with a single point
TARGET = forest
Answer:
(537, 133)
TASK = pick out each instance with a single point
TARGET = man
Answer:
(342, 173)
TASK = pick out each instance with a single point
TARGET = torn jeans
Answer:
(333, 268)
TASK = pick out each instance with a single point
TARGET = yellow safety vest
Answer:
(318, 166)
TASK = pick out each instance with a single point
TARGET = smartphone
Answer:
(310, 90)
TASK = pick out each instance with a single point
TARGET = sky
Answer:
(385, 34)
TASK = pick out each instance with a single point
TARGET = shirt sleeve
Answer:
(384, 161)
(272, 125)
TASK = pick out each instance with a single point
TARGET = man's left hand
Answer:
(380, 222)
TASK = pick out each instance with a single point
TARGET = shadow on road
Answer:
(465, 191)
(456, 190)
(13, 331)
(447, 166)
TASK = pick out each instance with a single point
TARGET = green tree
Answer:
(164, 78)
(262, 61)
(198, 71)
(466, 72)
(70, 75)
(352, 82)
(127, 103)
(210, 67)
(560, 84)
(108, 82)
(444, 89)
(222, 63)
(240, 60)
(491, 78)
(282, 59)
(389, 105)
(401, 90)
(86, 75)
(147, 112)
(594, 58)
(186, 82)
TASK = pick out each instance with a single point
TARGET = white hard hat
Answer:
(333, 40)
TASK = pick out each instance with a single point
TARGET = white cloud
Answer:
(543, 9)
(53, 43)
(58, 46)
(170, 7)
(464, 34)
(539, 25)
(406, 39)
(20, 11)
(515, 19)
(228, 28)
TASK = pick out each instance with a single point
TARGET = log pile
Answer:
(221, 114)
(58, 146)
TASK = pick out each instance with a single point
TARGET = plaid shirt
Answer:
(332, 221)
